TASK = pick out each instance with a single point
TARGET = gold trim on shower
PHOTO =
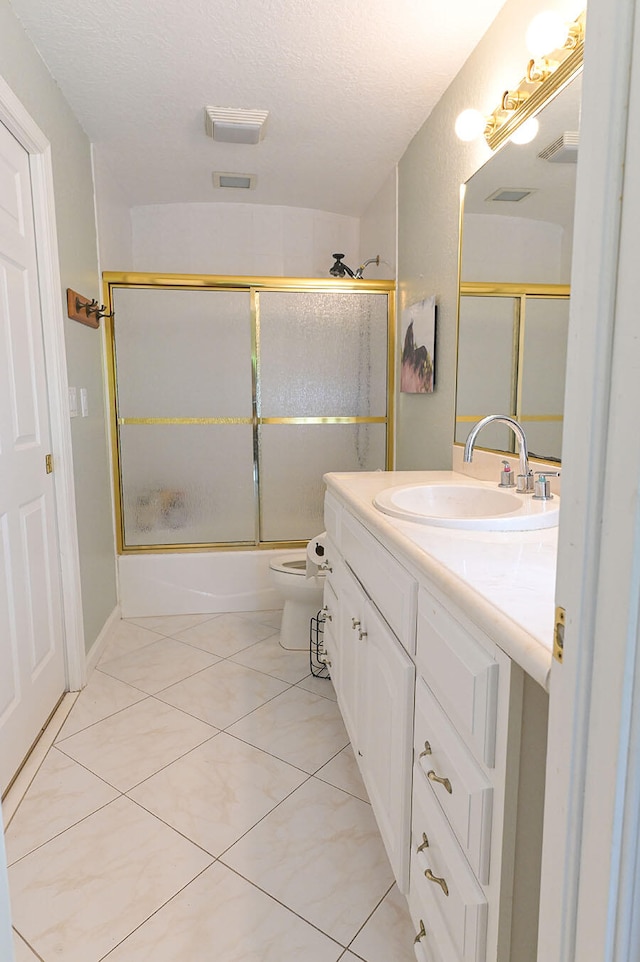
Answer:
(185, 420)
(472, 418)
(253, 286)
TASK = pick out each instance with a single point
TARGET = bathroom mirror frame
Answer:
(538, 97)
(253, 286)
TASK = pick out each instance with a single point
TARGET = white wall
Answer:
(512, 249)
(431, 171)
(23, 70)
(113, 219)
(241, 239)
(378, 230)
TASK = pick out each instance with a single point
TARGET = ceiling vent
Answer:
(235, 181)
(512, 194)
(564, 150)
(234, 125)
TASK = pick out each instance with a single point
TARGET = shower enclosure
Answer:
(232, 396)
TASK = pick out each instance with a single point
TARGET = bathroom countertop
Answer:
(504, 581)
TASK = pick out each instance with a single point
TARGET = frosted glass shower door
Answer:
(487, 355)
(322, 400)
(543, 375)
(183, 372)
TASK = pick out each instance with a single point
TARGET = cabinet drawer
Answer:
(425, 948)
(461, 673)
(443, 884)
(391, 586)
(462, 789)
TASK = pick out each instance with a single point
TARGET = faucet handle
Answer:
(542, 487)
(507, 479)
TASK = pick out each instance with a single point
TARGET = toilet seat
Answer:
(292, 566)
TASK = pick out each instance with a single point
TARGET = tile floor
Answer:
(201, 804)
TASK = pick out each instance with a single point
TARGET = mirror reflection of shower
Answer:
(339, 269)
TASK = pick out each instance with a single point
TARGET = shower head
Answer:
(341, 270)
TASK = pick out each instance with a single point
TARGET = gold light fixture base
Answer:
(544, 78)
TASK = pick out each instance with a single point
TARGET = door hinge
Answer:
(558, 634)
(48, 463)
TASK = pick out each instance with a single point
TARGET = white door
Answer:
(32, 679)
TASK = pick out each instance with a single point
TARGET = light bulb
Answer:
(470, 124)
(525, 132)
(546, 32)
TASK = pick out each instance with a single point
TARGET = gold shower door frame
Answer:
(254, 285)
(520, 294)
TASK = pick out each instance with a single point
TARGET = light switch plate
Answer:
(73, 402)
(84, 402)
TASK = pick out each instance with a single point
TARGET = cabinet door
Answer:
(386, 736)
(331, 628)
(352, 601)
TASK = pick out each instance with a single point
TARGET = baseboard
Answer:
(101, 642)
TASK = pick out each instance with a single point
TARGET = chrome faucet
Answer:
(525, 477)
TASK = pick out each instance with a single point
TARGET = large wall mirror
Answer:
(515, 264)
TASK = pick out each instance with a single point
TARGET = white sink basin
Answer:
(468, 506)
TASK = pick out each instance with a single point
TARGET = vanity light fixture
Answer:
(558, 50)
(470, 124)
(549, 31)
(526, 132)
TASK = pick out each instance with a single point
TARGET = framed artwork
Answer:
(418, 332)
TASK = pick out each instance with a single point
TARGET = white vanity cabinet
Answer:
(374, 682)
(436, 715)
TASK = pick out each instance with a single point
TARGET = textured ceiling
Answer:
(347, 85)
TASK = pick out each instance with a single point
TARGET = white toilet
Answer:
(302, 598)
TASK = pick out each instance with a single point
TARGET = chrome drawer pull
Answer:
(424, 844)
(421, 934)
(441, 781)
(362, 634)
(427, 750)
(439, 881)
(355, 623)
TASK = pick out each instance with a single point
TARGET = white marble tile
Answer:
(126, 748)
(79, 895)
(220, 917)
(31, 766)
(389, 933)
(342, 771)
(218, 791)
(271, 617)
(61, 794)
(297, 726)
(125, 638)
(225, 635)
(102, 696)
(22, 951)
(170, 624)
(269, 656)
(319, 686)
(159, 665)
(222, 694)
(319, 853)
